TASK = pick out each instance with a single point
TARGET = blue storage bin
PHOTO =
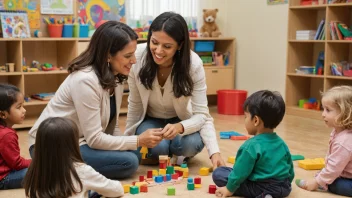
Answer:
(204, 46)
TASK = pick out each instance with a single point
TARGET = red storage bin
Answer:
(230, 102)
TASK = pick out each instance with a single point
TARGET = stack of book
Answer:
(305, 34)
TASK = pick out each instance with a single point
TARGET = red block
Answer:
(164, 178)
(150, 174)
(141, 178)
(174, 176)
(197, 180)
(133, 183)
(144, 188)
(239, 138)
(212, 189)
(180, 173)
(162, 165)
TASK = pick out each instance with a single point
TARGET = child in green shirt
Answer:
(263, 165)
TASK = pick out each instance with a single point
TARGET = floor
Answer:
(304, 136)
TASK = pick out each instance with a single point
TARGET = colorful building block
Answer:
(180, 173)
(168, 177)
(170, 170)
(144, 188)
(126, 188)
(297, 157)
(162, 171)
(204, 171)
(230, 133)
(162, 165)
(197, 180)
(185, 174)
(190, 186)
(239, 138)
(197, 185)
(164, 178)
(140, 183)
(171, 190)
(231, 159)
(190, 180)
(177, 168)
(134, 190)
(159, 179)
(224, 137)
(150, 174)
(312, 164)
(175, 176)
(155, 173)
(212, 189)
(184, 165)
(144, 152)
(163, 158)
(141, 178)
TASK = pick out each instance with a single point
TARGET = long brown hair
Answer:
(108, 39)
(52, 172)
(175, 26)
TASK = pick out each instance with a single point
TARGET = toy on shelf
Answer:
(311, 103)
(312, 164)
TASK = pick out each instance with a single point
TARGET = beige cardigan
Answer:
(193, 110)
(82, 99)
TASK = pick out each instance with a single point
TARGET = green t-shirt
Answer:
(265, 156)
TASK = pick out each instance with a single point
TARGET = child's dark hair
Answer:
(267, 105)
(8, 96)
(52, 171)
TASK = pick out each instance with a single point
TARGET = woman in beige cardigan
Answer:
(168, 91)
(91, 97)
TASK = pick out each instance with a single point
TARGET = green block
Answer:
(190, 186)
(170, 170)
(297, 157)
(134, 190)
(171, 190)
(183, 165)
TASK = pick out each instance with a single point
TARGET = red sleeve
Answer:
(10, 152)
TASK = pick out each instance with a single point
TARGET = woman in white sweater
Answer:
(168, 91)
(91, 96)
(58, 169)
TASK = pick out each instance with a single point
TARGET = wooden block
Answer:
(163, 157)
(197, 185)
(177, 168)
(175, 176)
(162, 171)
(197, 180)
(204, 171)
(171, 190)
(134, 190)
(150, 174)
(312, 164)
(190, 186)
(155, 173)
(141, 178)
(239, 138)
(212, 189)
(185, 174)
(126, 188)
(224, 137)
(162, 165)
(144, 188)
(231, 159)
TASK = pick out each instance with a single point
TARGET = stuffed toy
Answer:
(209, 27)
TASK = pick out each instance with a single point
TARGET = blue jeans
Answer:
(13, 179)
(341, 186)
(111, 164)
(257, 189)
(188, 145)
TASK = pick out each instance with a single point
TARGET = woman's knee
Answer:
(192, 145)
(162, 148)
(148, 123)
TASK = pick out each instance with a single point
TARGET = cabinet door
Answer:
(219, 78)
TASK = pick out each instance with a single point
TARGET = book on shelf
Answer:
(305, 34)
(320, 31)
(43, 96)
(340, 31)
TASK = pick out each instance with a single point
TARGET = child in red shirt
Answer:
(13, 167)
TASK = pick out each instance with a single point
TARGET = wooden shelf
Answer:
(339, 4)
(309, 7)
(339, 77)
(307, 113)
(339, 41)
(46, 72)
(123, 110)
(35, 102)
(10, 73)
(306, 41)
(305, 75)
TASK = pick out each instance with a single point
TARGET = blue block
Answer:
(168, 177)
(159, 179)
(230, 133)
(190, 180)
(224, 136)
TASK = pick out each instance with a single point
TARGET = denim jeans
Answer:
(111, 164)
(341, 186)
(257, 189)
(13, 179)
(187, 146)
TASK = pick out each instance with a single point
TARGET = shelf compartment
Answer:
(337, 52)
(298, 88)
(57, 53)
(11, 53)
(303, 54)
(44, 84)
(305, 75)
(341, 14)
(218, 79)
(331, 82)
(304, 19)
(15, 80)
(301, 112)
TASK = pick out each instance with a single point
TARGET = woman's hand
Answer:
(216, 160)
(150, 138)
(170, 131)
(223, 192)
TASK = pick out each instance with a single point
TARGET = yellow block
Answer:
(185, 174)
(141, 183)
(204, 171)
(155, 173)
(312, 164)
(126, 188)
(231, 159)
(162, 171)
(177, 168)
(184, 169)
(197, 185)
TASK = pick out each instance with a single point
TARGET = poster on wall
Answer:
(96, 12)
(31, 6)
(56, 6)
(276, 2)
(14, 24)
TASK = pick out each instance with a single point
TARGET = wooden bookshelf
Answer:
(305, 53)
(60, 51)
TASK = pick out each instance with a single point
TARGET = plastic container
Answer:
(76, 30)
(55, 30)
(83, 30)
(67, 30)
(307, 69)
(230, 102)
(204, 46)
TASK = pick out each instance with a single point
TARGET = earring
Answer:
(108, 64)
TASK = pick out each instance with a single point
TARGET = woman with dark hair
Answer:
(91, 97)
(168, 92)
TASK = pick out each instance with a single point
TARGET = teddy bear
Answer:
(209, 27)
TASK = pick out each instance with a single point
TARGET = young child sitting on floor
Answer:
(263, 165)
(337, 174)
(13, 167)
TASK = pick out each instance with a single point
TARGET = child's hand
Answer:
(310, 184)
(223, 192)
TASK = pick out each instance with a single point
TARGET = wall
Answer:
(261, 33)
